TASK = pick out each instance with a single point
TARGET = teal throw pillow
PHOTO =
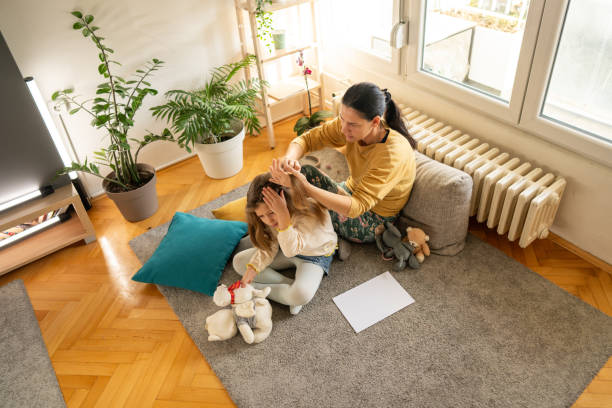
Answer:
(193, 253)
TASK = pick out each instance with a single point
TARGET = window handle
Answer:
(399, 35)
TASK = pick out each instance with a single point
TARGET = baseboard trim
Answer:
(601, 264)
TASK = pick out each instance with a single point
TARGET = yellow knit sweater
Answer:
(381, 174)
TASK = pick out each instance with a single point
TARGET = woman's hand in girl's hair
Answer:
(278, 205)
(279, 176)
(299, 176)
(287, 164)
(248, 277)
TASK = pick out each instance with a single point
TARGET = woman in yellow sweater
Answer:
(380, 156)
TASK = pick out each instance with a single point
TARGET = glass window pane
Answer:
(475, 43)
(364, 24)
(580, 89)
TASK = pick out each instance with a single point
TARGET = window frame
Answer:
(543, 28)
(506, 112)
(531, 121)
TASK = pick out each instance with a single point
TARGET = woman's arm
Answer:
(339, 203)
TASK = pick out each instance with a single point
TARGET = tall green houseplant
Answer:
(113, 108)
(205, 115)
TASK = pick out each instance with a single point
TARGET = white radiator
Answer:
(514, 197)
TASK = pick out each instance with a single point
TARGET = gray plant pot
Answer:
(136, 205)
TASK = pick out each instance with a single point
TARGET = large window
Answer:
(543, 66)
(475, 43)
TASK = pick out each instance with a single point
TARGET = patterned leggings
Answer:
(360, 229)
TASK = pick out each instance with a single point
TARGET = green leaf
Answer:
(319, 116)
(75, 110)
(101, 56)
(89, 18)
(86, 32)
(101, 120)
(301, 122)
(99, 100)
(77, 14)
(77, 26)
(102, 68)
(68, 91)
(55, 95)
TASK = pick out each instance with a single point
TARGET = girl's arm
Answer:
(259, 261)
(248, 276)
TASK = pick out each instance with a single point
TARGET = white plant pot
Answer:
(224, 159)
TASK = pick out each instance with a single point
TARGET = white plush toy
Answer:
(251, 314)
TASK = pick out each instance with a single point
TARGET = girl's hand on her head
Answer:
(279, 176)
(278, 205)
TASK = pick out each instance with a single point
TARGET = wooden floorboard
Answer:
(117, 343)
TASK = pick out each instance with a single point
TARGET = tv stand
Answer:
(49, 240)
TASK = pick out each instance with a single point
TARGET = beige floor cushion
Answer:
(439, 204)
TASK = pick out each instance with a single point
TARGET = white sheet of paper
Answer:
(372, 301)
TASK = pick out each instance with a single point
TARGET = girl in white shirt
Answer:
(286, 218)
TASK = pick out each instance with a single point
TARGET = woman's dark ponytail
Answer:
(394, 118)
(371, 101)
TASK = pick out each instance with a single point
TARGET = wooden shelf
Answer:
(31, 209)
(291, 86)
(286, 88)
(34, 247)
(288, 51)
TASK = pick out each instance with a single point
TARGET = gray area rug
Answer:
(484, 331)
(27, 378)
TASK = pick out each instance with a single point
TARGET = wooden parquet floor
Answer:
(117, 343)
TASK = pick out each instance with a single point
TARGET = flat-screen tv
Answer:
(29, 159)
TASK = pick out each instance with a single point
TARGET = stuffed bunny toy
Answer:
(250, 313)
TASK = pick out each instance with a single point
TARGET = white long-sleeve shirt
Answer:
(304, 236)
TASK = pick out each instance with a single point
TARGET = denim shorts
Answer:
(323, 261)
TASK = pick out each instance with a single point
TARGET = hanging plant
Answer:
(264, 23)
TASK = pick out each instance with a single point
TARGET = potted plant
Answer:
(210, 119)
(306, 123)
(131, 185)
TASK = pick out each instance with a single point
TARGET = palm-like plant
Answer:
(205, 115)
(117, 101)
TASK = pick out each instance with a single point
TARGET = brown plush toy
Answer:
(418, 239)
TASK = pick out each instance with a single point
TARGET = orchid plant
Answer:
(314, 119)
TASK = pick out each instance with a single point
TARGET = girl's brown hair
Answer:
(298, 203)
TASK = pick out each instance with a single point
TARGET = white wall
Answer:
(584, 216)
(191, 36)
